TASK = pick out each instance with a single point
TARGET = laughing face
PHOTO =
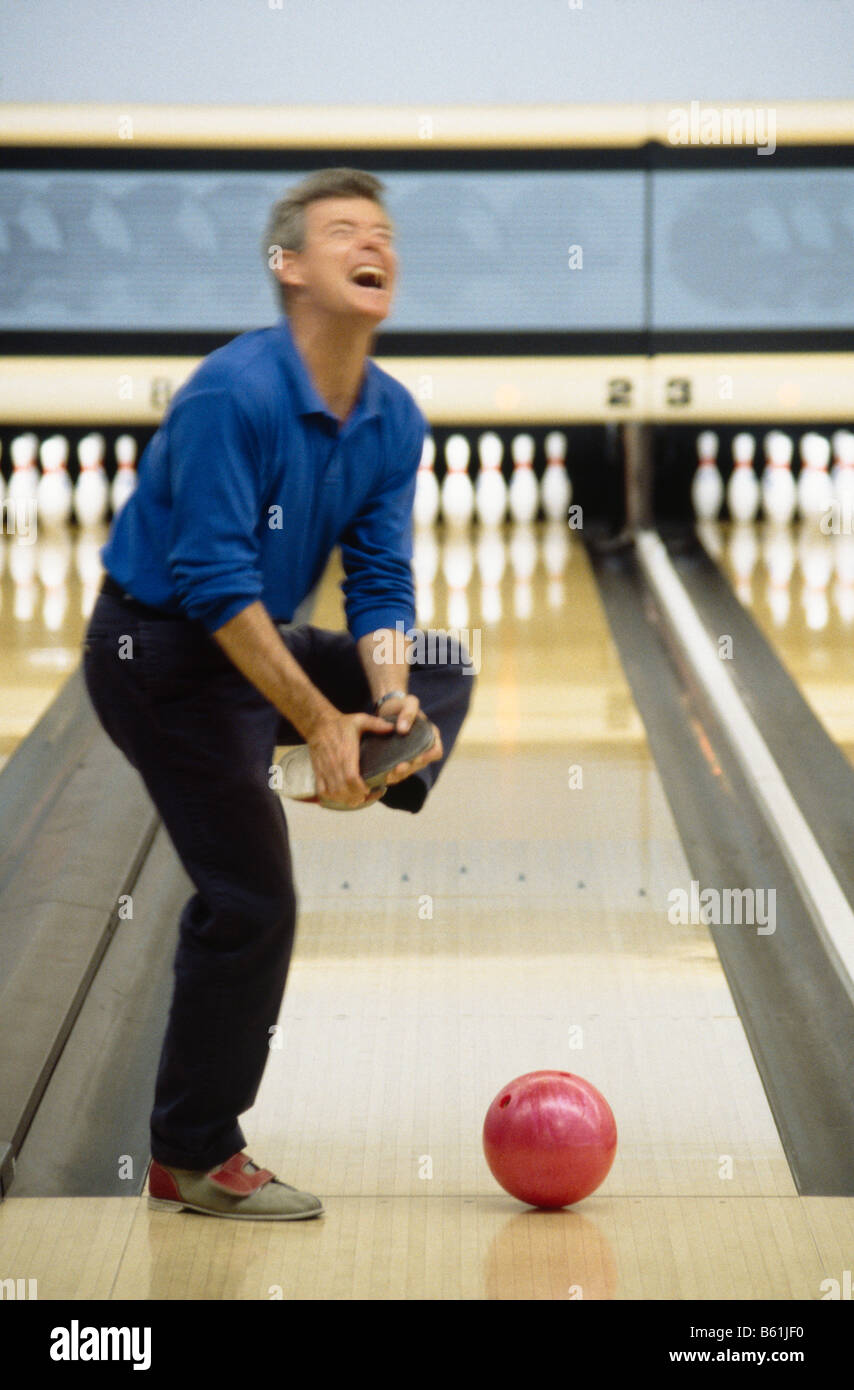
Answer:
(348, 264)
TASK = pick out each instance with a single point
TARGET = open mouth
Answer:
(369, 277)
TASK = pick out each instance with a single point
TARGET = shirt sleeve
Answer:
(376, 549)
(218, 488)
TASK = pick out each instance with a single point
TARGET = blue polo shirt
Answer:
(251, 481)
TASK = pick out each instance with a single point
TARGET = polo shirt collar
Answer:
(310, 403)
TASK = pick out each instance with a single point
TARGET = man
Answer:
(284, 443)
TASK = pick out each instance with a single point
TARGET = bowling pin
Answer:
(54, 492)
(556, 487)
(425, 509)
(742, 493)
(837, 446)
(24, 482)
(842, 478)
(524, 497)
(490, 493)
(815, 490)
(125, 480)
(457, 492)
(707, 487)
(779, 494)
(92, 490)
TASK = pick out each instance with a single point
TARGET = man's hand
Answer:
(404, 712)
(334, 745)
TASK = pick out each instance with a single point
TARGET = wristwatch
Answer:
(389, 695)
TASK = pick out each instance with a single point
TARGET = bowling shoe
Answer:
(238, 1188)
(379, 754)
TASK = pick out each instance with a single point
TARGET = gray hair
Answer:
(286, 226)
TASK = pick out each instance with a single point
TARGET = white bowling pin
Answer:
(556, 487)
(457, 492)
(707, 486)
(54, 492)
(842, 477)
(838, 446)
(92, 490)
(815, 490)
(125, 480)
(24, 483)
(490, 492)
(524, 495)
(425, 509)
(779, 493)
(742, 493)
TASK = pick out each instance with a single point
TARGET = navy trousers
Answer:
(202, 738)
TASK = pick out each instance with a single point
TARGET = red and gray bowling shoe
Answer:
(238, 1188)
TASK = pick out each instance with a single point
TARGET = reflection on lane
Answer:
(798, 583)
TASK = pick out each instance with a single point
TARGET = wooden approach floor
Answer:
(518, 923)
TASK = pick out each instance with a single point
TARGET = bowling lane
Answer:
(798, 584)
(48, 584)
(519, 923)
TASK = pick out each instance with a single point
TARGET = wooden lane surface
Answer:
(518, 923)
